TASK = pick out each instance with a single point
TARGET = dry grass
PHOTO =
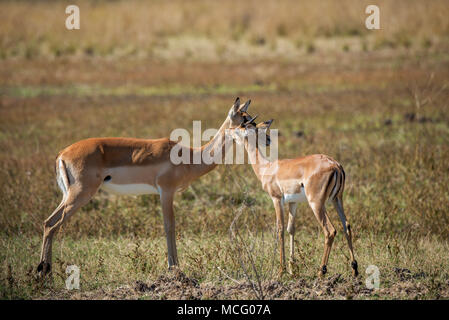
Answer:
(204, 29)
(365, 108)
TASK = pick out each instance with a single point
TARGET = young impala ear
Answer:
(245, 106)
(250, 121)
(236, 105)
(264, 125)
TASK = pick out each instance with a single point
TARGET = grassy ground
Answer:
(375, 103)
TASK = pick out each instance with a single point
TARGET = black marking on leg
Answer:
(107, 178)
(44, 267)
(323, 269)
(355, 267)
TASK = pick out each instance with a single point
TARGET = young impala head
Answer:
(249, 129)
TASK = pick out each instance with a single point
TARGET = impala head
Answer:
(249, 128)
(238, 113)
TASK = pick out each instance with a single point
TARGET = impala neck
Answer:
(217, 144)
(258, 161)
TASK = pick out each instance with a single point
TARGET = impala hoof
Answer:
(322, 272)
(43, 269)
(174, 268)
(355, 271)
(281, 272)
(291, 265)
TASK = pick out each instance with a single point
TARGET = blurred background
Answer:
(375, 100)
(201, 30)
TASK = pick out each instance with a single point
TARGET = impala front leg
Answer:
(280, 231)
(169, 226)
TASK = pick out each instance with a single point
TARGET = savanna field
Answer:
(377, 101)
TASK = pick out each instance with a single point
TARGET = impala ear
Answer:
(264, 125)
(236, 105)
(245, 106)
(250, 121)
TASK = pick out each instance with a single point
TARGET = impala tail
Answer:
(61, 176)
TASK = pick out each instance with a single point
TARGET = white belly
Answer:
(295, 197)
(129, 189)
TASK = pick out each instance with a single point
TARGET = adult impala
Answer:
(128, 166)
(314, 179)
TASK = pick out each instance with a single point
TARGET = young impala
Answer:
(313, 179)
(129, 166)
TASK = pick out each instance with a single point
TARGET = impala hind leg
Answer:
(280, 231)
(338, 204)
(44, 266)
(72, 202)
(291, 230)
(329, 233)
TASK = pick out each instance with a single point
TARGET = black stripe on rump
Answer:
(332, 176)
(339, 187)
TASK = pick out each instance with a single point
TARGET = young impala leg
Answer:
(291, 230)
(280, 230)
(329, 233)
(338, 204)
(74, 200)
(169, 226)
